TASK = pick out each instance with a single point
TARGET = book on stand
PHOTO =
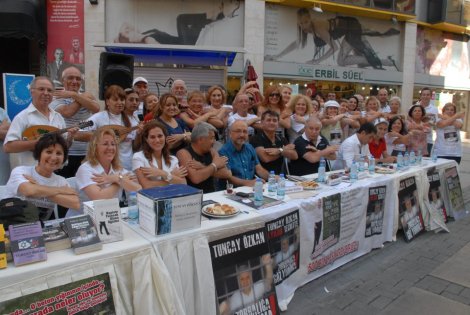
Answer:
(27, 243)
(55, 237)
(83, 234)
(107, 217)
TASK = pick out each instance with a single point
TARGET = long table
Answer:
(172, 274)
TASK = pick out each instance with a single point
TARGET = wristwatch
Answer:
(169, 177)
(120, 178)
(281, 150)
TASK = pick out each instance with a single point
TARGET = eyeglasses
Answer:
(43, 89)
(73, 77)
(274, 95)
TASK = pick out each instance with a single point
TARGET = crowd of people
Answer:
(143, 140)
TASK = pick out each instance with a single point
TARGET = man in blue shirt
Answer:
(242, 158)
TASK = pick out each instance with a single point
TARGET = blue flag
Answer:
(16, 94)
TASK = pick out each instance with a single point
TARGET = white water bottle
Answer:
(321, 170)
(281, 187)
(133, 209)
(371, 165)
(399, 161)
(412, 158)
(258, 192)
(272, 184)
(353, 172)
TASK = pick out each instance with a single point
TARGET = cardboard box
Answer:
(169, 209)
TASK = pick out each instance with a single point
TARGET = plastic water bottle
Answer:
(133, 209)
(360, 164)
(434, 156)
(281, 187)
(399, 161)
(258, 192)
(353, 172)
(321, 171)
(419, 158)
(371, 165)
(272, 186)
(412, 158)
(406, 159)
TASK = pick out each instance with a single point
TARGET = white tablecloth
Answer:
(172, 274)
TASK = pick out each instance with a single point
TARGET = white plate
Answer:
(219, 216)
(308, 188)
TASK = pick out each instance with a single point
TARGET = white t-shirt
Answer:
(448, 141)
(393, 147)
(432, 113)
(348, 150)
(139, 160)
(78, 148)
(239, 299)
(28, 117)
(17, 178)
(236, 116)
(84, 179)
(106, 118)
(296, 129)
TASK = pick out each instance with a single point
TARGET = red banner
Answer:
(65, 36)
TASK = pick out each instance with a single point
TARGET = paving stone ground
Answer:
(379, 281)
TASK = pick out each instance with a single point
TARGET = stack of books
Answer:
(54, 235)
(27, 243)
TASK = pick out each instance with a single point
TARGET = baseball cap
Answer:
(331, 104)
(139, 79)
(380, 121)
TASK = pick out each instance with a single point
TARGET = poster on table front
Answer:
(177, 22)
(65, 37)
(375, 211)
(88, 296)
(284, 244)
(437, 216)
(410, 216)
(243, 273)
(454, 193)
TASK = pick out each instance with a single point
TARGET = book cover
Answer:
(107, 217)
(55, 238)
(27, 243)
(83, 234)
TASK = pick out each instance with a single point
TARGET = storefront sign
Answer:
(332, 74)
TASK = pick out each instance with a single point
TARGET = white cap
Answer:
(331, 103)
(380, 121)
(139, 79)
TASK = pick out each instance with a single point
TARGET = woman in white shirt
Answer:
(39, 184)
(102, 176)
(154, 166)
(448, 144)
(301, 107)
(115, 99)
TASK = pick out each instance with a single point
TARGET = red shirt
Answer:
(376, 149)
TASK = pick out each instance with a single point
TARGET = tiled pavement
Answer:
(402, 278)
